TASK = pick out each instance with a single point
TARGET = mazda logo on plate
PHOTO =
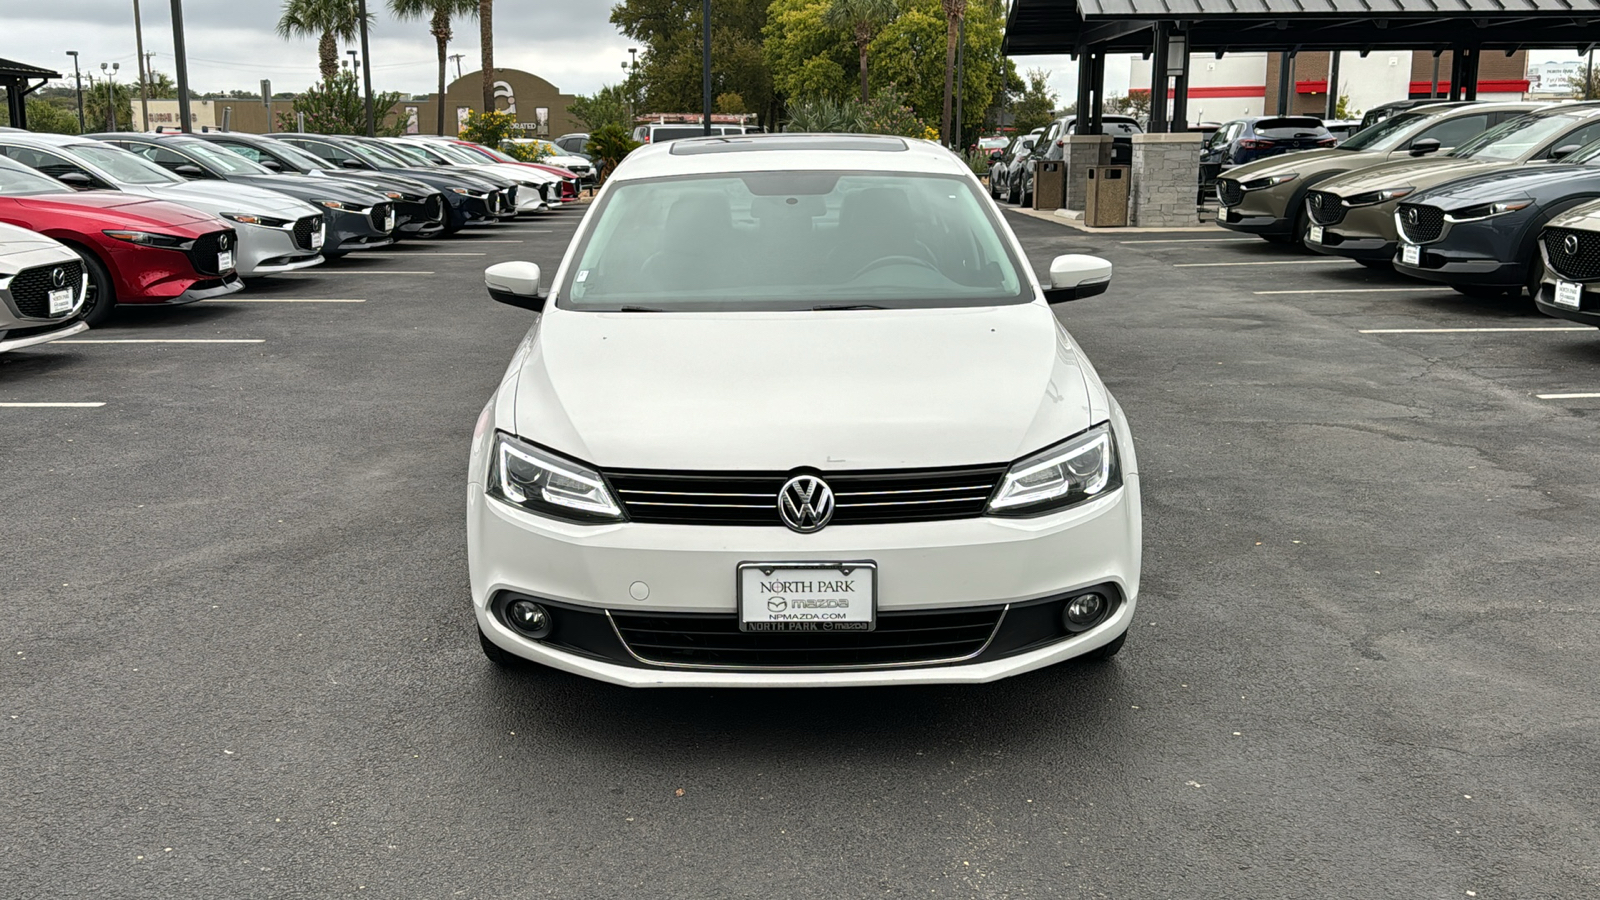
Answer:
(805, 503)
(777, 604)
(1570, 245)
(58, 277)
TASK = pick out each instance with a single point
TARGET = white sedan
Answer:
(795, 412)
(277, 233)
(42, 286)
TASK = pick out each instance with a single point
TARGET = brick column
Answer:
(1166, 178)
(1084, 150)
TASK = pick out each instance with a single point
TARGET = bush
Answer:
(527, 152)
(608, 145)
(824, 114)
(489, 128)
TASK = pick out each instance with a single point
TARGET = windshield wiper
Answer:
(639, 309)
(846, 306)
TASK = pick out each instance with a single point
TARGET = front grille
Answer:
(1420, 224)
(30, 288)
(1229, 193)
(203, 252)
(751, 498)
(510, 199)
(1578, 258)
(435, 208)
(715, 640)
(379, 216)
(1325, 208)
(304, 229)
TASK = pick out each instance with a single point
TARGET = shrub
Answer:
(609, 144)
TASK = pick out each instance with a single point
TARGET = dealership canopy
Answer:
(18, 80)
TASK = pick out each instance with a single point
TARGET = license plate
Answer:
(808, 596)
(1410, 254)
(1222, 212)
(60, 301)
(1315, 235)
(388, 222)
(224, 260)
(316, 239)
(1568, 294)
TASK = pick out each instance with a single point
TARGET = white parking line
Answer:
(1220, 240)
(51, 405)
(500, 241)
(1287, 262)
(359, 272)
(276, 300)
(1355, 291)
(1467, 330)
(1567, 396)
(165, 341)
(365, 253)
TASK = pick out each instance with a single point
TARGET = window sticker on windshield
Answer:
(583, 275)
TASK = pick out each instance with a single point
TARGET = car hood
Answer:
(1585, 216)
(115, 208)
(219, 197)
(514, 172)
(1418, 173)
(1301, 162)
(21, 249)
(1538, 182)
(307, 187)
(444, 178)
(857, 389)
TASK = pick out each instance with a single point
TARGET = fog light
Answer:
(1083, 612)
(528, 619)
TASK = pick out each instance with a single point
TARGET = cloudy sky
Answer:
(571, 43)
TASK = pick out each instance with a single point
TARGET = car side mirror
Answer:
(188, 170)
(996, 154)
(352, 164)
(1563, 152)
(1076, 276)
(515, 284)
(271, 164)
(1424, 146)
(78, 181)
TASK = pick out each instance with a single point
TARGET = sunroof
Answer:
(748, 143)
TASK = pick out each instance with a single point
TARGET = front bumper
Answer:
(264, 250)
(210, 290)
(28, 336)
(352, 230)
(949, 565)
(1365, 232)
(1482, 252)
(1262, 212)
(1588, 311)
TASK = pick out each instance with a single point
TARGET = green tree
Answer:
(607, 106)
(1343, 110)
(488, 128)
(862, 18)
(1036, 106)
(486, 45)
(609, 144)
(160, 86)
(669, 68)
(908, 54)
(438, 13)
(336, 107)
(96, 104)
(329, 21)
(47, 117)
(1585, 83)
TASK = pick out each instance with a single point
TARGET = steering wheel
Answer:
(882, 261)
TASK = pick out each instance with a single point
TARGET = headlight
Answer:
(523, 475)
(249, 219)
(1487, 210)
(394, 195)
(1383, 196)
(145, 238)
(334, 204)
(1269, 181)
(1068, 473)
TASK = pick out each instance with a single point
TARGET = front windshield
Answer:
(305, 159)
(372, 156)
(1514, 139)
(458, 155)
(17, 180)
(222, 160)
(793, 241)
(1386, 135)
(128, 168)
(490, 152)
(412, 153)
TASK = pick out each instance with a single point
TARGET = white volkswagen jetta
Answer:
(796, 413)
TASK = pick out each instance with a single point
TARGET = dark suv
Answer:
(1247, 140)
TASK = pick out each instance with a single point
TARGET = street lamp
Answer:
(77, 77)
(111, 97)
(631, 66)
(355, 60)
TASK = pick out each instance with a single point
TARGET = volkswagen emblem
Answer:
(1570, 245)
(805, 503)
(58, 277)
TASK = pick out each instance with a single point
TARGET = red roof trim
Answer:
(1225, 90)
(1501, 86)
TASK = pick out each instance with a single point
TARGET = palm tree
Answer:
(439, 13)
(486, 41)
(863, 18)
(954, 12)
(329, 21)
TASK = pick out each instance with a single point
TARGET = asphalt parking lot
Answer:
(239, 659)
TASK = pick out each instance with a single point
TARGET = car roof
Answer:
(39, 137)
(789, 152)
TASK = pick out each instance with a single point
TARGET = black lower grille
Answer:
(1420, 224)
(715, 640)
(1325, 208)
(1572, 253)
(1229, 193)
(304, 229)
(751, 498)
(380, 216)
(435, 208)
(30, 288)
(205, 249)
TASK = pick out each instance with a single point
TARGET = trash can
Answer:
(1106, 205)
(1050, 184)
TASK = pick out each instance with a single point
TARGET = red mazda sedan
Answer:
(135, 250)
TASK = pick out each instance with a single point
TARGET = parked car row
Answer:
(88, 223)
(1512, 207)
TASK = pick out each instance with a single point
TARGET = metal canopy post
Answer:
(1285, 61)
(1098, 109)
(1180, 90)
(1085, 78)
(1469, 73)
(1455, 75)
(1158, 78)
(1333, 84)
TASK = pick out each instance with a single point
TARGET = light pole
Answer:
(354, 61)
(366, 68)
(144, 92)
(111, 95)
(180, 66)
(631, 66)
(77, 77)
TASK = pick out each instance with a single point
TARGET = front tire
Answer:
(502, 658)
(1106, 651)
(101, 297)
